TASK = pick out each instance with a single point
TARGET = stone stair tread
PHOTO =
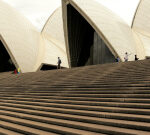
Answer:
(102, 121)
(44, 127)
(80, 92)
(48, 87)
(65, 107)
(8, 132)
(77, 90)
(82, 95)
(111, 104)
(18, 128)
(82, 99)
(90, 99)
(120, 116)
(78, 99)
(105, 129)
(45, 89)
(78, 103)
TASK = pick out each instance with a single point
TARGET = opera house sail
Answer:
(27, 47)
(94, 34)
(80, 32)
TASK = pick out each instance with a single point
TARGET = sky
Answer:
(38, 11)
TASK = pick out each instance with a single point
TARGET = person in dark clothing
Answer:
(117, 59)
(136, 58)
(59, 63)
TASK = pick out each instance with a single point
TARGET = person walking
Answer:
(136, 58)
(59, 63)
(126, 57)
(117, 59)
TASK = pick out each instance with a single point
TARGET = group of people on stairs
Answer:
(126, 57)
(17, 71)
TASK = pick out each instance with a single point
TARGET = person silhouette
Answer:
(136, 58)
(59, 63)
(117, 59)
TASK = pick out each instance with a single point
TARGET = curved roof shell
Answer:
(141, 25)
(21, 39)
(28, 47)
(36, 11)
(53, 35)
(119, 36)
(125, 9)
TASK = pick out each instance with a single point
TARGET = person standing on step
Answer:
(136, 58)
(117, 59)
(18, 70)
(126, 57)
(59, 63)
(15, 71)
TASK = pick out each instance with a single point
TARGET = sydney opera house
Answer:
(80, 32)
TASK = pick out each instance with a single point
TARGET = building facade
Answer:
(94, 34)
(80, 32)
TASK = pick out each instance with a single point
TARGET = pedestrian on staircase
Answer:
(136, 58)
(117, 59)
(15, 71)
(59, 63)
(126, 56)
(18, 70)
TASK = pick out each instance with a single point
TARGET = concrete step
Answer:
(132, 100)
(48, 96)
(100, 85)
(77, 91)
(43, 128)
(74, 125)
(71, 113)
(75, 121)
(28, 88)
(97, 99)
(90, 79)
(77, 88)
(16, 128)
(8, 132)
(77, 100)
(84, 103)
(77, 108)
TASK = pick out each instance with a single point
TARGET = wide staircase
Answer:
(111, 99)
